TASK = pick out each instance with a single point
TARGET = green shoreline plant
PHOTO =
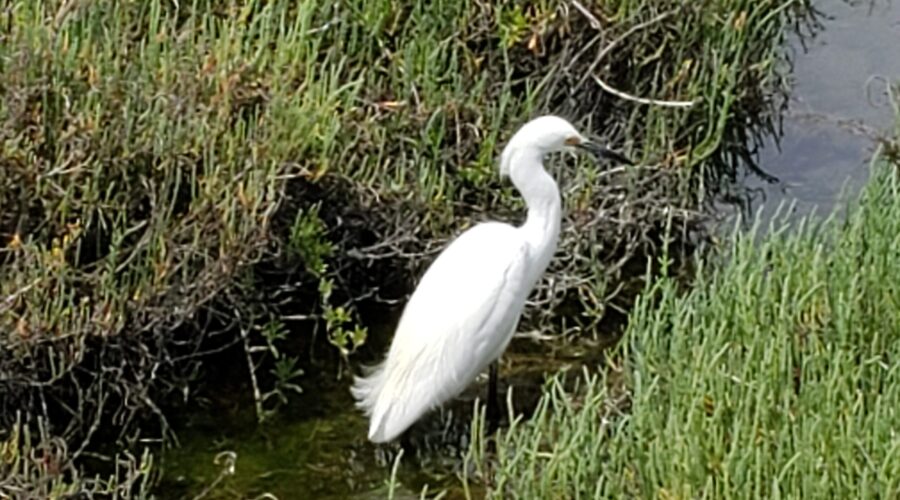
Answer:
(775, 374)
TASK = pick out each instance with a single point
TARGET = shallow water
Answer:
(316, 447)
(838, 101)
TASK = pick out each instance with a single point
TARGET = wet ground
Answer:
(316, 447)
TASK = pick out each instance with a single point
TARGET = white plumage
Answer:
(466, 307)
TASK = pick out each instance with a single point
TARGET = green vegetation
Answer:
(178, 179)
(36, 465)
(774, 375)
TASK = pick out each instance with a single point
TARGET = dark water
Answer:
(838, 102)
(316, 447)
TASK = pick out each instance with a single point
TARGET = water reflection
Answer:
(837, 104)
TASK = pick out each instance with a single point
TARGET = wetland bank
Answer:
(211, 213)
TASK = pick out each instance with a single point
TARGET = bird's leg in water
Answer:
(493, 406)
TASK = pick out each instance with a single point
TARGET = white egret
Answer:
(466, 307)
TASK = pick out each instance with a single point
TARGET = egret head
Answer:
(550, 134)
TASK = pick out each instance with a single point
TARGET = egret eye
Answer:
(573, 141)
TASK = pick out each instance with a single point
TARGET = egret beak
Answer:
(603, 152)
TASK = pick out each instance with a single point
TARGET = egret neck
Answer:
(541, 194)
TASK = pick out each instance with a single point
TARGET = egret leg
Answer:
(493, 405)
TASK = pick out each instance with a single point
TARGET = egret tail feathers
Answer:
(366, 389)
(394, 402)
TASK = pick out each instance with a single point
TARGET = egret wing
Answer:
(459, 319)
(469, 284)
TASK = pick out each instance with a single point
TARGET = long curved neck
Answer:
(541, 228)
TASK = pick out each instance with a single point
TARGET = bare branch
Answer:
(642, 100)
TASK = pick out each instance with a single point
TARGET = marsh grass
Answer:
(34, 464)
(181, 177)
(774, 375)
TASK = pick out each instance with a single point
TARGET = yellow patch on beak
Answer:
(573, 141)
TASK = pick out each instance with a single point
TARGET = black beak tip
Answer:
(602, 152)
